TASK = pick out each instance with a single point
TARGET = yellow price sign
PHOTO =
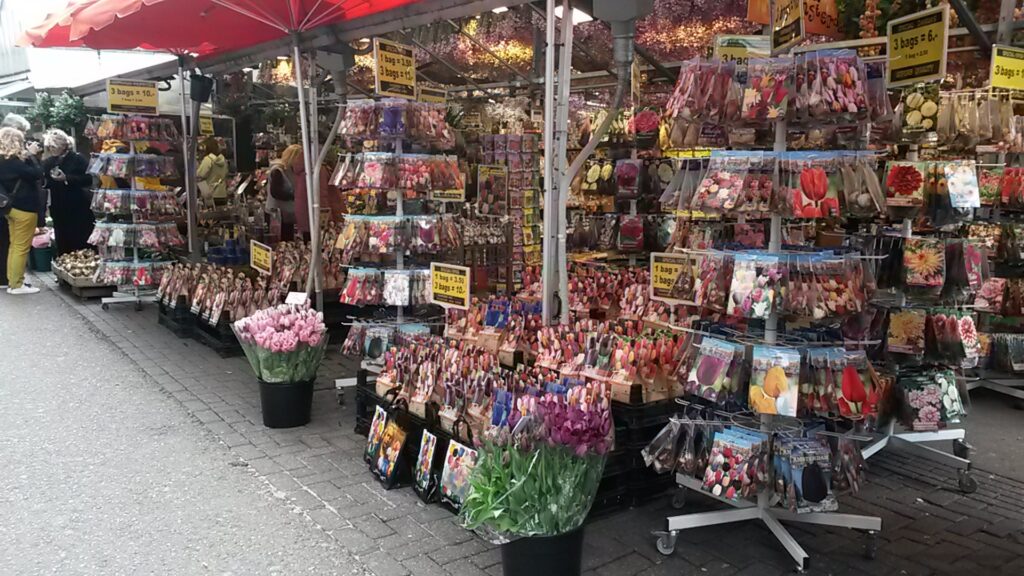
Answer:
(432, 95)
(787, 24)
(740, 49)
(666, 270)
(261, 257)
(394, 70)
(688, 153)
(206, 125)
(132, 97)
(449, 285)
(1007, 68)
(917, 47)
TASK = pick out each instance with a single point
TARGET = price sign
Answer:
(739, 49)
(688, 153)
(787, 24)
(297, 299)
(261, 257)
(394, 70)
(666, 270)
(1007, 68)
(449, 285)
(206, 125)
(820, 16)
(132, 97)
(448, 195)
(472, 121)
(432, 95)
(917, 47)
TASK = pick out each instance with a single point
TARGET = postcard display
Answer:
(137, 226)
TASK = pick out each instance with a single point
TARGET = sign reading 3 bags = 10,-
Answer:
(449, 285)
(394, 69)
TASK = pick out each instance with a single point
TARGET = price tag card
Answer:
(739, 49)
(787, 24)
(449, 285)
(394, 68)
(917, 47)
(132, 96)
(297, 298)
(1007, 68)
(261, 257)
(669, 273)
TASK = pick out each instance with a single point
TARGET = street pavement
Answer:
(125, 449)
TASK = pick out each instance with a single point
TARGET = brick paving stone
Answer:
(967, 527)
(328, 520)
(463, 567)
(625, 566)
(354, 541)
(1004, 528)
(717, 568)
(382, 564)
(453, 552)
(373, 527)
(487, 559)
(424, 567)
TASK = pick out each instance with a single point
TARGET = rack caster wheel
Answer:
(679, 499)
(962, 449)
(666, 543)
(105, 307)
(871, 545)
(967, 483)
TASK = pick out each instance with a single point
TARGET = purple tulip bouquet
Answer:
(284, 344)
(538, 474)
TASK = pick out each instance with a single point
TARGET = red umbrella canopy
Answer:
(196, 26)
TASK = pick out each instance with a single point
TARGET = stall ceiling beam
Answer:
(650, 59)
(490, 52)
(968, 21)
(576, 46)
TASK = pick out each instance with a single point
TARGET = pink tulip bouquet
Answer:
(284, 344)
(538, 475)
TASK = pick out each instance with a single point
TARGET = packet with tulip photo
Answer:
(774, 387)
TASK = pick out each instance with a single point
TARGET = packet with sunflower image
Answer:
(924, 266)
(774, 380)
(906, 334)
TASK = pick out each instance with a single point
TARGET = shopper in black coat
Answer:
(70, 188)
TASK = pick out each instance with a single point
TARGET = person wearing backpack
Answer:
(20, 203)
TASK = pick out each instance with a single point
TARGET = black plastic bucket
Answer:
(286, 405)
(560, 555)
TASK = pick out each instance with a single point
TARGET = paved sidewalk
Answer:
(929, 526)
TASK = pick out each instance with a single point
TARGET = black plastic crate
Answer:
(219, 337)
(178, 319)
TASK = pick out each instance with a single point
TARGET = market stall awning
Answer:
(200, 27)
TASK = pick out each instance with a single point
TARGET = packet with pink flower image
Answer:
(627, 179)
(721, 189)
(755, 279)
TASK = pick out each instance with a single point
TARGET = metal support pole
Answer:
(1004, 33)
(562, 146)
(192, 200)
(316, 262)
(549, 276)
(307, 160)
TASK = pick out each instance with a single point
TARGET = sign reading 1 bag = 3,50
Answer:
(917, 47)
(665, 272)
(261, 257)
(132, 97)
(394, 69)
(1007, 68)
(449, 285)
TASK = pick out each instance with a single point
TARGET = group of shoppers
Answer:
(29, 174)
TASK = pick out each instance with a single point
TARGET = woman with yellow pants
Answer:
(19, 177)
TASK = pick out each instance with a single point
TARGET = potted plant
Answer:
(536, 478)
(284, 345)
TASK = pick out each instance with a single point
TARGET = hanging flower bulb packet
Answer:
(774, 380)
(755, 281)
(714, 375)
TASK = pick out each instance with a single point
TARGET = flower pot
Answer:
(286, 405)
(560, 555)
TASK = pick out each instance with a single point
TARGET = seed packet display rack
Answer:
(133, 293)
(763, 509)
